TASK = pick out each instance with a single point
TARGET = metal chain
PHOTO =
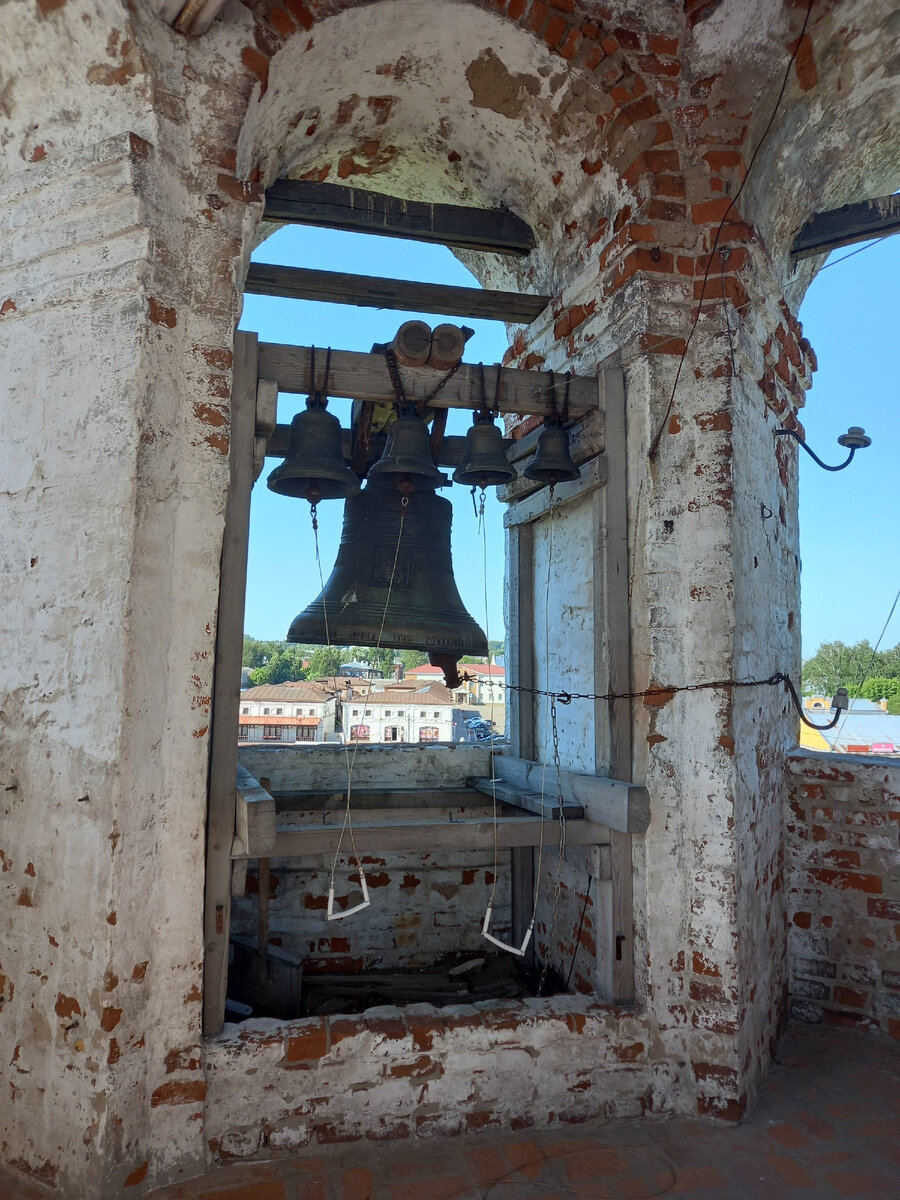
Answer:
(557, 892)
(568, 697)
(396, 381)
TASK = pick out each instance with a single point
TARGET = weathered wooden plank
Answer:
(262, 922)
(255, 814)
(536, 504)
(226, 684)
(371, 837)
(408, 295)
(369, 798)
(616, 644)
(331, 205)
(323, 768)
(844, 226)
(360, 376)
(622, 806)
(508, 793)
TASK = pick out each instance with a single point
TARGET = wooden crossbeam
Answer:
(844, 226)
(331, 205)
(372, 837)
(373, 291)
(508, 793)
(365, 377)
(621, 806)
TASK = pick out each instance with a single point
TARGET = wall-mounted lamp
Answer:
(854, 439)
(839, 704)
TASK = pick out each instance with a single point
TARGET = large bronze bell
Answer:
(407, 463)
(423, 611)
(552, 463)
(314, 469)
(484, 463)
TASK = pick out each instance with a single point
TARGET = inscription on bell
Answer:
(383, 568)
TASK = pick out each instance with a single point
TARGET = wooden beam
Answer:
(616, 966)
(333, 206)
(536, 503)
(622, 806)
(373, 291)
(508, 793)
(320, 768)
(220, 821)
(365, 377)
(844, 226)
(372, 837)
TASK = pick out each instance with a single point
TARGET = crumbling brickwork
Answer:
(842, 869)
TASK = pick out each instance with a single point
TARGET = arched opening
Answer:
(485, 142)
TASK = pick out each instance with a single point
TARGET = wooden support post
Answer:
(226, 684)
(262, 924)
(612, 634)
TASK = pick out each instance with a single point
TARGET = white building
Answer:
(485, 685)
(286, 712)
(399, 714)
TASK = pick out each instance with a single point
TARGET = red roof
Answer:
(282, 721)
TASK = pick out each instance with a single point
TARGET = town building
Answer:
(483, 683)
(287, 712)
(866, 727)
(399, 714)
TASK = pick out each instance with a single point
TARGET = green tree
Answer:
(285, 665)
(835, 665)
(881, 687)
(257, 653)
(411, 658)
(894, 705)
(324, 662)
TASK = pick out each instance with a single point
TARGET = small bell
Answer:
(406, 461)
(484, 463)
(314, 469)
(552, 463)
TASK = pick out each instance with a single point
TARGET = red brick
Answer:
(356, 1184)
(257, 64)
(301, 13)
(308, 1043)
(710, 210)
(852, 997)
(789, 1136)
(175, 1092)
(555, 31)
(847, 880)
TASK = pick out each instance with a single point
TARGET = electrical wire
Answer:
(347, 825)
(654, 445)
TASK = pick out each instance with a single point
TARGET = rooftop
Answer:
(290, 693)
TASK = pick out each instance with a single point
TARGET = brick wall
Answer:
(843, 887)
(424, 1072)
(425, 908)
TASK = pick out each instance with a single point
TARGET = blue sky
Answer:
(848, 525)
